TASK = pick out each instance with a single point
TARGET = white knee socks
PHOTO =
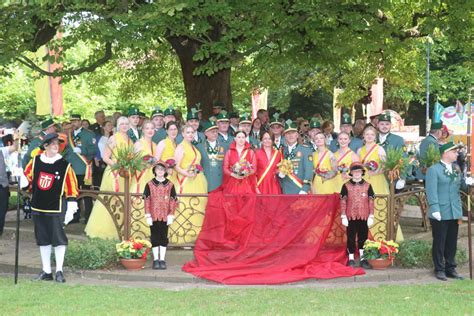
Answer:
(155, 253)
(351, 256)
(361, 254)
(45, 252)
(59, 253)
(162, 253)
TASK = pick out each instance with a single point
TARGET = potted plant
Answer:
(396, 164)
(380, 254)
(128, 162)
(432, 156)
(133, 253)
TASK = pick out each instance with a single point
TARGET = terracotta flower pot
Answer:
(133, 264)
(124, 173)
(380, 264)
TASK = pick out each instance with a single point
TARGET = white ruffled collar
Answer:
(50, 160)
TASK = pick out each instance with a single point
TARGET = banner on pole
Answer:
(259, 101)
(336, 108)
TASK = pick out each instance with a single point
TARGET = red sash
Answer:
(367, 155)
(342, 157)
(272, 161)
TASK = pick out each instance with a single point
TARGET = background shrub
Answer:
(417, 254)
(92, 254)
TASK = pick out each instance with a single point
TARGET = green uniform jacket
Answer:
(302, 169)
(34, 143)
(394, 141)
(443, 192)
(84, 140)
(254, 143)
(225, 143)
(159, 135)
(354, 145)
(424, 145)
(132, 136)
(212, 164)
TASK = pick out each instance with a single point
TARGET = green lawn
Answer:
(451, 298)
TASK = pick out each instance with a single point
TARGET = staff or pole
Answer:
(427, 117)
(468, 156)
(18, 195)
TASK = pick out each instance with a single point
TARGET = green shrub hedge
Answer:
(417, 254)
(92, 254)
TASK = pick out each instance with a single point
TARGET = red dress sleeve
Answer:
(226, 165)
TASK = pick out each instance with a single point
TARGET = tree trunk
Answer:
(202, 89)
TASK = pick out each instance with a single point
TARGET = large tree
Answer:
(336, 41)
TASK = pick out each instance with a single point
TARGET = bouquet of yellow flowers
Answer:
(381, 249)
(133, 249)
(285, 167)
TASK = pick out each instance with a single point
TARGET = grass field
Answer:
(451, 298)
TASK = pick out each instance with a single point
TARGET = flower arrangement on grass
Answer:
(381, 249)
(133, 249)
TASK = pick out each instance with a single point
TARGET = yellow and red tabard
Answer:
(50, 182)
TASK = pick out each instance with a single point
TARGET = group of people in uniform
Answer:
(240, 155)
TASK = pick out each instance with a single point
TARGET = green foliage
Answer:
(432, 156)
(92, 254)
(128, 160)
(417, 254)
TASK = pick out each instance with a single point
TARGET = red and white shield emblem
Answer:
(45, 181)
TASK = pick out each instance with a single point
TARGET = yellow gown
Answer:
(101, 224)
(190, 214)
(138, 225)
(381, 187)
(168, 153)
(345, 160)
(321, 186)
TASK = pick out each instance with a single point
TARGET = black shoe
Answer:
(43, 276)
(60, 277)
(440, 275)
(351, 263)
(74, 221)
(156, 265)
(454, 275)
(162, 265)
(364, 264)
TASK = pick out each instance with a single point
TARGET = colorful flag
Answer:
(376, 106)
(336, 108)
(49, 93)
(259, 101)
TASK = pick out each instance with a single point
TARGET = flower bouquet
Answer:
(285, 166)
(149, 160)
(432, 156)
(371, 165)
(171, 163)
(242, 168)
(324, 173)
(343, 168)
(195, 169)
(127, 161)
(133, 253)
(380, 254)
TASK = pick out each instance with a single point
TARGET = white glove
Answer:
(344, 220)
(303, 192)
(281, 175)
(17, 172)
(70, 211)
(400, 184)
(77, 150)
(437, 216)
(370, 221)
(24, 183)
(469, 181)
(169, 219)
(149, 220)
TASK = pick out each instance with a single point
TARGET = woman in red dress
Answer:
(268, 159)
(239, 167)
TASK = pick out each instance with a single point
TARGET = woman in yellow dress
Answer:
(100, 223)
(344, 157)
(324, 164)
(147, 148)
(191, 180)
(166, 148)
(372, 156)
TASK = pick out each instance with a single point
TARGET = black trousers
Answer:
(4, 195)
(445, 239)
(356, 229)
(97, 174)
(159, 234)
(49, 230)
(86, 207)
